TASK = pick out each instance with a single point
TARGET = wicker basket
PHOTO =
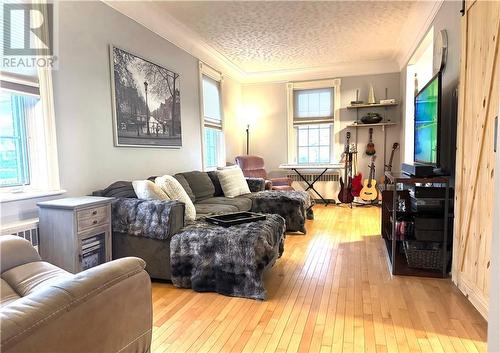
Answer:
(428, 255)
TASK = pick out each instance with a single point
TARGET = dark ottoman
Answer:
(229, 261)
(293, 206)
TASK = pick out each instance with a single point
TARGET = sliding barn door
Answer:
(479, 89)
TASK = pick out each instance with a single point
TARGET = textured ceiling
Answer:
(282, 35)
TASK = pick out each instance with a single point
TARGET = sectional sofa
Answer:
(144, 228)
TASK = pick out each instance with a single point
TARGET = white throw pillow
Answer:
(233, 182)
(175, 191)
(147, 190)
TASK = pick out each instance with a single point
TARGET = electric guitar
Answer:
(345, 193)
(370, 147)
(357, 180)
(369, 191)
(388, 167)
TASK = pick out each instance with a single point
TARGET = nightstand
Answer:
(75, 232)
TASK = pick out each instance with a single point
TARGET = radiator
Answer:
(25, 229)
(327, 185)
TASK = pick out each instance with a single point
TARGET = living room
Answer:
(151, 122)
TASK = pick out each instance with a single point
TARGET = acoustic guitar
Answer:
(369, 191)
(388, 166)
(370, 147)
(345, 193)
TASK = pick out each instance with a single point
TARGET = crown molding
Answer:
(149, 15)
(354, 68)
(414, 31)
(157, 20)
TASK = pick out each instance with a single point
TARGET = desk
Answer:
(297, 168)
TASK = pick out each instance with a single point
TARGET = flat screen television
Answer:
(427, 122)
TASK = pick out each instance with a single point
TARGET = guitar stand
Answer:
(362, 204)
(341, 203)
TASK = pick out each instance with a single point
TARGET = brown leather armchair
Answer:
(46, 309)
(253, 167)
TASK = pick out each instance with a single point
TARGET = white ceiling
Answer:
(256, 38)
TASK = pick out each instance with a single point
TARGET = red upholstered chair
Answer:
(253, 167)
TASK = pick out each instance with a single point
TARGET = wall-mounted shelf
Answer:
(376, 105)
(371, 125)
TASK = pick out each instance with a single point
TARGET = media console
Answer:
(417, 219)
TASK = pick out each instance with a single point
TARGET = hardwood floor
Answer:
(330, 292)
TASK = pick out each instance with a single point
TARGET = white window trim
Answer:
(47, 158)
(205, 70)
(291, 135)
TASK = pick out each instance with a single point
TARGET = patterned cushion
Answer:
(233, 182)
(185, 185)
(175, 191)
(147, 190)
(200, 183)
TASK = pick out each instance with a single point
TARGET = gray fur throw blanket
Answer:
(291, 205)
(229, 261)
(147, 218)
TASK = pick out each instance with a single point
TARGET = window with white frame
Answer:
(28, 155)
(18, 105)
(28, 147)
(213, 136)
(312, 115)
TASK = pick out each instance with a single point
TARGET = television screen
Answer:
(426, 122)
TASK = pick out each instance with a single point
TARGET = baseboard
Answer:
(477, 299)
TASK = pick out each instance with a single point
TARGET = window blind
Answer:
(313, 106)
(211, 103)
(15, 30)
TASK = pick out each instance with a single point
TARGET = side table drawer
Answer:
(92, 217)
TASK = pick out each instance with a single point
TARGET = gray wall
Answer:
(268, 101)
(88, 159)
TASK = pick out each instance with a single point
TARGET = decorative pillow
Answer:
(200, 183)
(175, 191)
(118, 189)
(215, 180)
(233, 182)
(185, 185)
(147, 190)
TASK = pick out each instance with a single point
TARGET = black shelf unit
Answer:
(398, 185)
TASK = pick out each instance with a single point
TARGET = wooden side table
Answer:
(75, 232)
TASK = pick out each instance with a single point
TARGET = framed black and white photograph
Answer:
(146, 102)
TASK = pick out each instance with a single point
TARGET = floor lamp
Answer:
(248, 138)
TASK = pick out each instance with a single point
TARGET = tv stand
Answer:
(417, 225)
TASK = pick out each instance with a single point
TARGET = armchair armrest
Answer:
(147, 218)
(16, 251)
(281, 181)
(104, 309)
(256, 184)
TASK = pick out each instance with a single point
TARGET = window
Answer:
(28, 144)
(15, 109)
(418, 71)
(313, 104)
(213, 137)
(314, 143)
(312, 107)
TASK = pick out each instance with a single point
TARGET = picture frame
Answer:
(145, 101)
